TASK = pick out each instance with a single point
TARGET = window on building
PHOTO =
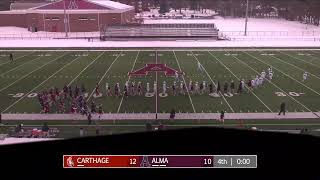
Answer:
(83, 19)
(113, 18)
(55, 19)
(48, 19)
(92, 19)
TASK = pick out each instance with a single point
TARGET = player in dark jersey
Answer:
(139, 89)
(211, 88)
(70, 91)
(76, 91)
(201, 88)
(11, 57)
(97, 90)
(125, 91)
(116, 90)
(173, 89)
(93, 107)
(232, 86)
(83, 89)
(225, 87)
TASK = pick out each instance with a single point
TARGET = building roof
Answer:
(24, 5)
(84, 5)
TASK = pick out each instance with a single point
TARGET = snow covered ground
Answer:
(261, 33)
(142, 44)
(7, 141)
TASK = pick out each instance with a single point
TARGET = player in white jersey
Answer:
(270, 75)
(181, 88)
(164, 87)
(260, 81)
(176, 76)
(148, 88)
(269, 70)
(155, 87)
(263, 74)
(203, 87)
(305, 76)
(242, 84)
(253, 83)
(190, 85)
(256, 81)
(196, 87)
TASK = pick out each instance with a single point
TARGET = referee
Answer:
(282, 108)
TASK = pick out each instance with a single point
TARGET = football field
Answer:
(34, 71)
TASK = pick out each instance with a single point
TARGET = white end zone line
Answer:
(194, 110)
(85, 68)
(105, 74)
(32, 72)
(274, 85)
(239, 80)
(119, 107)
(299, 59)
(283, 73)
(40, 84)
(212, 81)
(18, 58)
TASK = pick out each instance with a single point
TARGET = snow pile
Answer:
(24, 140)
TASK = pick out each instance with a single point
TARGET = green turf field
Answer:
(33, 71)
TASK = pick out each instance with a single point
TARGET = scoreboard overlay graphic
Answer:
(160, 161)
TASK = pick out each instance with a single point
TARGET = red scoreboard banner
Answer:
(159, 161)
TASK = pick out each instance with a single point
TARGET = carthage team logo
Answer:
(70, 162)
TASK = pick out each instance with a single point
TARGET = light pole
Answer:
(65, 18)
(246, 22)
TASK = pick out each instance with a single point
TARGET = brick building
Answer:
(81, 15)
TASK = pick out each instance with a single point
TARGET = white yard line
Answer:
(194, 110)
(274, 84)
(212, 81)
(85, 69)
(294, 66)
(283, 73)
(239, 80)
(105, 74)
(156, 93)
(40, 84)
(32, 72)
(299, 59)
(19, 66)
(119, 107)
(18, 58)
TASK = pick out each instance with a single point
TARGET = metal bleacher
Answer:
(184, 31)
